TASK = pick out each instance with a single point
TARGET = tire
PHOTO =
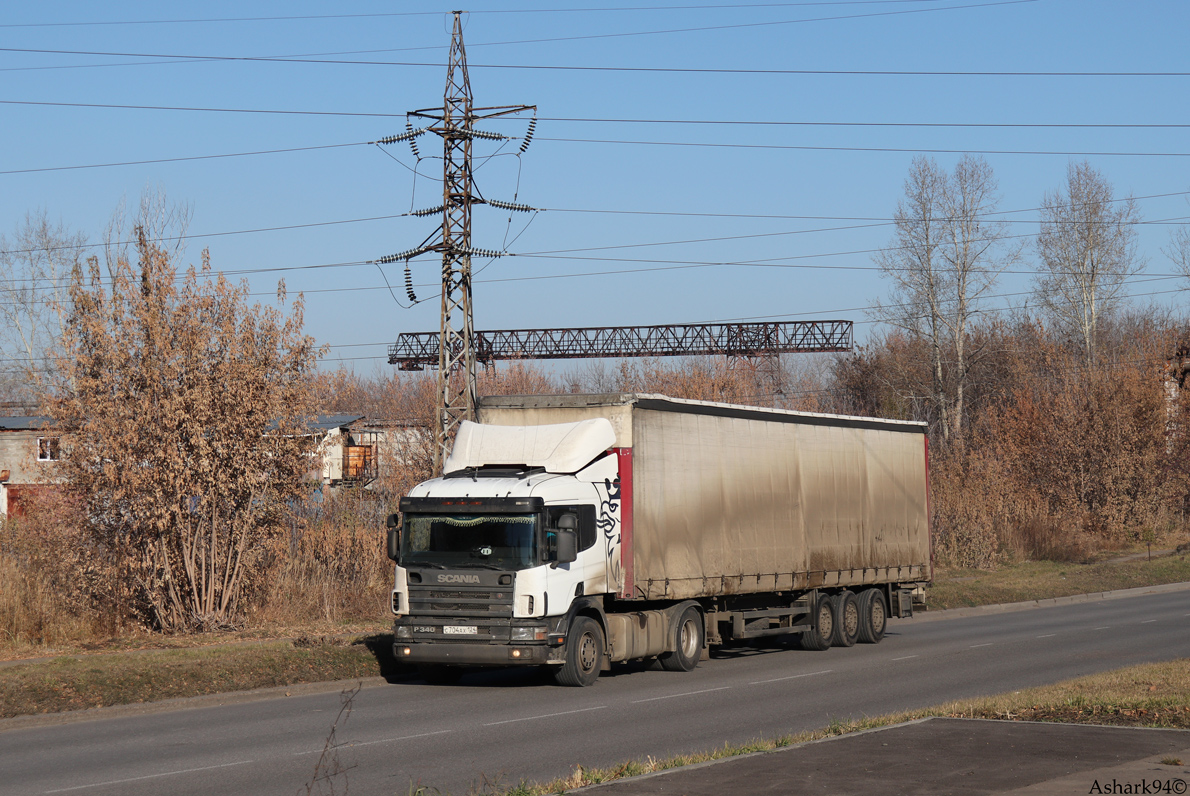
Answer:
(584, 654)
(822, 618)
(689, 635)
(439, 675)
(846, 619)
(873, 616)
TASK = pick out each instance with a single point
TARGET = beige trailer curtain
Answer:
(729, 504)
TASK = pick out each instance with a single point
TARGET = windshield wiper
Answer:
(431, 564)
(479, 565)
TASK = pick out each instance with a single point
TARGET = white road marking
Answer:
(675, 696)
(796, 676)
(904, 658)
(1147, 621)
(545, 716)
(1108, 627)
(973, 646)
(150, 776)
(371, 743)
(1047, 635)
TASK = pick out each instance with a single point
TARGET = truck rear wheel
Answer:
(688, 641)
(846, 619)
(584, 654)
(873, 616)
(818, 637)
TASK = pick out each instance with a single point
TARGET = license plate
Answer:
(460, 630)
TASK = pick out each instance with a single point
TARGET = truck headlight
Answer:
(530, 633)
(403, 631)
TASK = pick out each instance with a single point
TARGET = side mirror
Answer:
(567, 541)
(394, 537)
(394, 544)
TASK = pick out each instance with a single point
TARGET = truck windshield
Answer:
(497, 541)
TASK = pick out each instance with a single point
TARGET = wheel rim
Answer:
(587, 653)
(851, 618)
(688, 640)
(877, 616)
(826, 620)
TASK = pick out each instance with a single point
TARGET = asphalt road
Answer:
(502, 726)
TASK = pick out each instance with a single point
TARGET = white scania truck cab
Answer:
(496, 558)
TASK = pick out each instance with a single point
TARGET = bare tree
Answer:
(1179, 249)
(1087, 245)
(35, 268)
(163, 222)
(183, 420)
(945, 256)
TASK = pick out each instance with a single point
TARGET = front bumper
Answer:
(463, 654)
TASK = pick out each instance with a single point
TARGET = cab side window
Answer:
(586, 523)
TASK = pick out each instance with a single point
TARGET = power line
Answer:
(556, 39)
(595, 120)
(573, 254)
(438, 13)
(906, 150)
(790, 147)
(626, 69)
(183, 159)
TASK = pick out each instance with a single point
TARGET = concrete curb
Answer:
(186, 703)
(708, 763)
(1006, 608)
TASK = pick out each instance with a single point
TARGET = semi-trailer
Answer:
(576, 531)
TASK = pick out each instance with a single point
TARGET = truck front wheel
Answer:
(688, 641)
(584, 654)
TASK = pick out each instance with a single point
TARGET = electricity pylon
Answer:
(454, 123)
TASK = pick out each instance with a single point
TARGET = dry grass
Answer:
(1150, 695)
(67, 683)
(1037, 580)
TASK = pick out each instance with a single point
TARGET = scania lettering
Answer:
(577, 531)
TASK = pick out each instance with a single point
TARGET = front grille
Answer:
(487, 609)
(479, 601)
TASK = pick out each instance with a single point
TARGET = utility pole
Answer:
(454, 123)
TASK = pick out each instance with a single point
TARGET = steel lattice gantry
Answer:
(418, 350)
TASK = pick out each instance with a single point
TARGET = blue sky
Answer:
(833, 182)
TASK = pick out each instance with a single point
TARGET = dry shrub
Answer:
(1092, 446)
(1069, 461)
(56, 586)
(333, 565)
(1047, 539)
(968, 512)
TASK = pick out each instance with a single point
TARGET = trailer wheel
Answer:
(873, 616)
(584, 654)
(846, 619)
(819, 636)
(688, 640)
